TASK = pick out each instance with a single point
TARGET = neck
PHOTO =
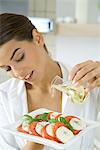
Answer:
(51, 69)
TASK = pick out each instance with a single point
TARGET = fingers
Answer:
(88, 76)
(95, 83)
(86, 72)
(77, 68)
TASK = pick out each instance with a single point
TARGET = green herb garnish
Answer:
(27, 118)
(43, 116)
(63, 120)
(53, 120)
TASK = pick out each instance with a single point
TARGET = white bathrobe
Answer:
(13, 104)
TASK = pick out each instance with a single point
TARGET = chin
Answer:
(29, 82)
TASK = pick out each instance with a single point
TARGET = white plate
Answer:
(12, 129)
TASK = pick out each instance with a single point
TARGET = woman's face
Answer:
(24, 60)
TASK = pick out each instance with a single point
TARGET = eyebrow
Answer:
(14, 53)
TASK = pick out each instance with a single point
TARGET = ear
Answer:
(37, 37)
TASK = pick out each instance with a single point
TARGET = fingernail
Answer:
(73, 81)
(76, 83)
(87, 90)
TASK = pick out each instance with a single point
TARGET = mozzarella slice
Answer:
(77, 124)
(64, 134)
(49, 129)
(39, 126)
(25, 126)
(53, 115)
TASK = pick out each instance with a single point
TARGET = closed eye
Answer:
(21, 58)
(6, 68)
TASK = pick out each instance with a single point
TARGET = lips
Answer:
(28, 77)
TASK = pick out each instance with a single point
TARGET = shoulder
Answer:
(10, 84)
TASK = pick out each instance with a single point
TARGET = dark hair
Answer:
(15, 26)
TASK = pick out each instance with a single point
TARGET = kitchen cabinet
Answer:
(78, 17)
(68, 29)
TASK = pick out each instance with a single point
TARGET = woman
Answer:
(24, 56)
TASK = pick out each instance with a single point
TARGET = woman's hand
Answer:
(86, 72)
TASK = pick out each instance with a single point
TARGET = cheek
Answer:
(32, 61)
(35, 60)
(11, 74)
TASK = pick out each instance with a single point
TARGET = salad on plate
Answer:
(52, 125)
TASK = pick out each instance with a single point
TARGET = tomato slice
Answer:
(58, 116)
(76, 131)
(37, 115)
(48, 116)
(32, 129)
(48, 134)
(68, 118)
(54, 115)
(20, 129)
(56, 126)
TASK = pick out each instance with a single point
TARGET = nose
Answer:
(17, 72)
